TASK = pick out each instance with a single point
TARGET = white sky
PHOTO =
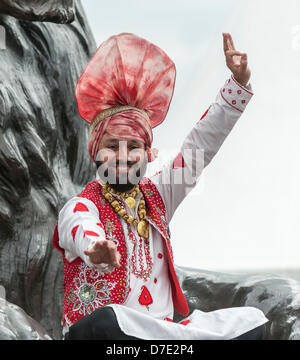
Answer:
(244, 213)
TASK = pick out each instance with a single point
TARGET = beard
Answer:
(123, 181)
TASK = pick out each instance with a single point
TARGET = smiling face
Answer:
(121, 161)
(58, 11)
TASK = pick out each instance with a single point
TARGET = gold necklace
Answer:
(130, 197)
(142, 225)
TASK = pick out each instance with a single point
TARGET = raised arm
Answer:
(178, 177)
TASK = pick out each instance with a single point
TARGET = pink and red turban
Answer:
(125, 90)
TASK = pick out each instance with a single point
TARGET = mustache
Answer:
(117, 163)
(107, 171)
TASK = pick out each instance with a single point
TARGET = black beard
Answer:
(124, 186)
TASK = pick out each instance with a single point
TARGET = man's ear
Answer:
(152, 154)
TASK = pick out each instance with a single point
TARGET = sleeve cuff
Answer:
(236, 95)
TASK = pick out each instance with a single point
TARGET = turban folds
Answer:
(125, 90)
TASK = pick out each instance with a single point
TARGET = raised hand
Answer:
(236, 61)
(104, 251)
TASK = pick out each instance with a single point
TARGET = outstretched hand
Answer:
(104, 251)
(236, 61)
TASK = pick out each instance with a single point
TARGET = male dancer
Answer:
(120, 281)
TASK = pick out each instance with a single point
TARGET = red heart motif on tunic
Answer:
(74, 231)
(184, 322)
(89, 232)
(80, 207)
(178, 162)
(168, 319)
(145, 298)
(101, 225)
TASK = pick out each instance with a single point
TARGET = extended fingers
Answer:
(227, 42)
(112, 252)
(244, 61)
(104, 251)
(230, 41)
(230, 53)
(232, 58)
(116, 259)
(99, 246)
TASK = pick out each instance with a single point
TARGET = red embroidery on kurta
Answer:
(242, 87)
(101, 225)
(89, 232)
(206, 112)
(185, 322)
(160, 256)
(178, 162)
(145, 298)
(80, 207)
(74, 231)
(168, 319)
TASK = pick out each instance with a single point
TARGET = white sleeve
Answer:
(180, 175)
(78, 228)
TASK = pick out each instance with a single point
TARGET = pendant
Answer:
(143, 229)
(130, 202)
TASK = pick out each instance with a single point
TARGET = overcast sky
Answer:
(245, 212)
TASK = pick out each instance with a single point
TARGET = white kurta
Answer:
(136, 319)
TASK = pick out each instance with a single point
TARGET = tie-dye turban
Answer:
(125, 90)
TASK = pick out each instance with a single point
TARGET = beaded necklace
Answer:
(142, 225)
(140, 246)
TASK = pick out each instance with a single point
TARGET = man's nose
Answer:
(122, 155)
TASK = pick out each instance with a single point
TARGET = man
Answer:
(120, 281)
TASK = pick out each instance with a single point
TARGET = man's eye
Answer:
(113, 147)
(135, 147)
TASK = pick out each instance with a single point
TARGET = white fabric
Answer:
(206, 136)
(224, 324)
(137, 320)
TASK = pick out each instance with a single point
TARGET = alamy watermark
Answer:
(171, 167)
